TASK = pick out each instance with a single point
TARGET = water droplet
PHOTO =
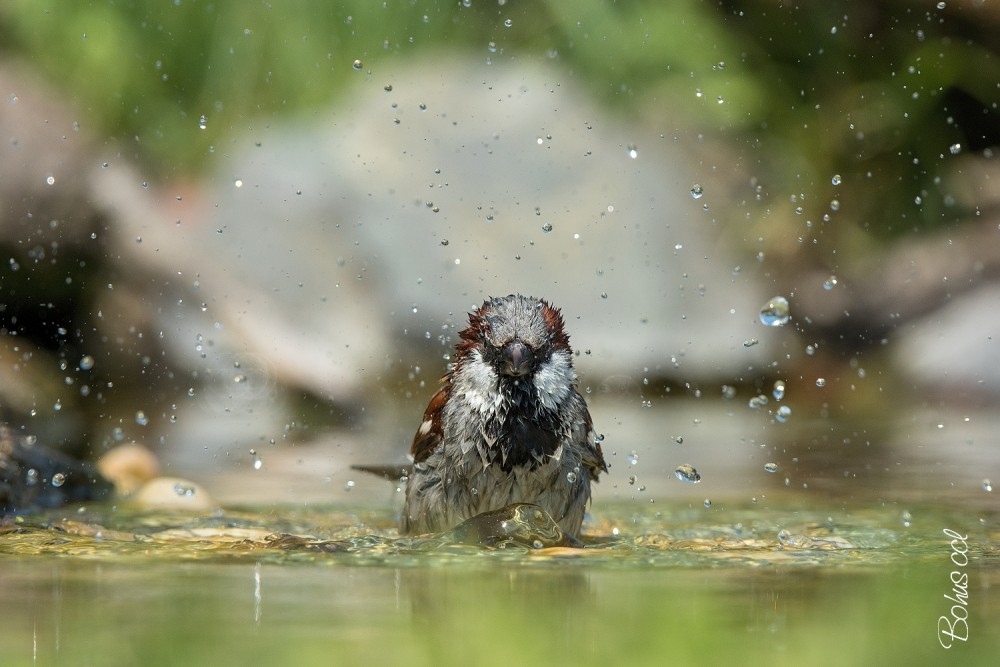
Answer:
(830, 283)
(632, 480)
(633, 151)
(907, 518)
(202, 122)
(987, 486)
(58, 479)
(775, 313)
(820, 382)
(507, 23)
(771, 467)
(257, 462)
(750, 342)
(836, 179)
(184, 490)
(955, 149)
(357, 65)
(632, 458)
(697, 191)
(779, 390)
(238, 182)
(86, 362)
(571, 477)
(31, 477)
(547, 227)
(141, 419)
(707, 503)
(349, 485)
(51, 180)
(679, 440)
(783, 414)
(687, 473)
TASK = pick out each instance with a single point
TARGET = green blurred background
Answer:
(875, 92)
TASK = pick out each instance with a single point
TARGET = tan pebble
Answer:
(173, 493)
(128, 467)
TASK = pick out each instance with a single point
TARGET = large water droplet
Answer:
(775, 312)
(58, 479)
(771, 467)
(86, 362)
(779, 390)
(687, 473)
(697, 191)
(783, 414)
(836, 179)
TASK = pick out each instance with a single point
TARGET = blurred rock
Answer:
(172, 493)
(33, 476)
(399, 211)
(128, 467)
(76, 334)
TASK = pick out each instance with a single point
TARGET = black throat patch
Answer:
(524, 434)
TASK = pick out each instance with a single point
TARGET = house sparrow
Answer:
(507, 426)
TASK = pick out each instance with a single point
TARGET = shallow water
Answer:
(838, 557)
(776, 584)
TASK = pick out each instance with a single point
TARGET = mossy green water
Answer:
(762, 586)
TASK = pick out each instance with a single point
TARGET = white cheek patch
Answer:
(555, 379)
(477, 383)
(425, 428)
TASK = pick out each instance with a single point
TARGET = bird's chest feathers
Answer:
(513, 429)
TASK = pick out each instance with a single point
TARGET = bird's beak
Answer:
(517, 359)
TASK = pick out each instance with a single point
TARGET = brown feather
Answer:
(424, 443)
